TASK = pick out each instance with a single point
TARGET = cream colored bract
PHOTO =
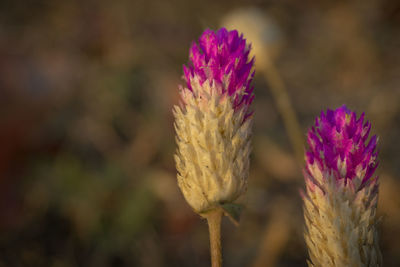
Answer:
(340, 220)
(213, 141)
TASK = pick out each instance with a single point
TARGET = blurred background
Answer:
(87, 176)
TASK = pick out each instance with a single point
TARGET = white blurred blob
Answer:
(260, 30)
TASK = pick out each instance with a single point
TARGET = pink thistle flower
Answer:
(338, 143)
(213, 125)
(221, 59)
(341, 191)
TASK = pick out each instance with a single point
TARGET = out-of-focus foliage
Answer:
(87, 176)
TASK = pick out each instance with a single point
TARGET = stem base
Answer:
(214, 218)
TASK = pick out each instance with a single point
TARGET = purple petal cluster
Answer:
(340, 135)
(222, 58)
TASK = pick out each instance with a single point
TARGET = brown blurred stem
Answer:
(285, 108)
(214, 218)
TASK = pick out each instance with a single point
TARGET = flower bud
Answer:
(341, 191)
(213, 122)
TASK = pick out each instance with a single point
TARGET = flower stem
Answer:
(285, 107)
(214, 225)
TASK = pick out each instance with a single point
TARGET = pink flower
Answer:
(221, 59)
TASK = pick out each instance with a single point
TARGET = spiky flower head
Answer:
(221, 59)
(213, 122)
(338, 142)
(342, 191)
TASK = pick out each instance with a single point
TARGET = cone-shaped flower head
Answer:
(342, 191)
(213, 122)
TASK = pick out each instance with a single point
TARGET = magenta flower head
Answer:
(342, 191)
(221, 59)
(213, 122)
(338, 144)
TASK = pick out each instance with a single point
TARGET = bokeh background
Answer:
(87, 176)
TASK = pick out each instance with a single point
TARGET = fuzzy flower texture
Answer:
(213, 122)
(341, 191)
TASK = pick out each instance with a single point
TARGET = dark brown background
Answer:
(87, 176)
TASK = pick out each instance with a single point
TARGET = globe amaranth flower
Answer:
(341, 191)
(213, 122)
